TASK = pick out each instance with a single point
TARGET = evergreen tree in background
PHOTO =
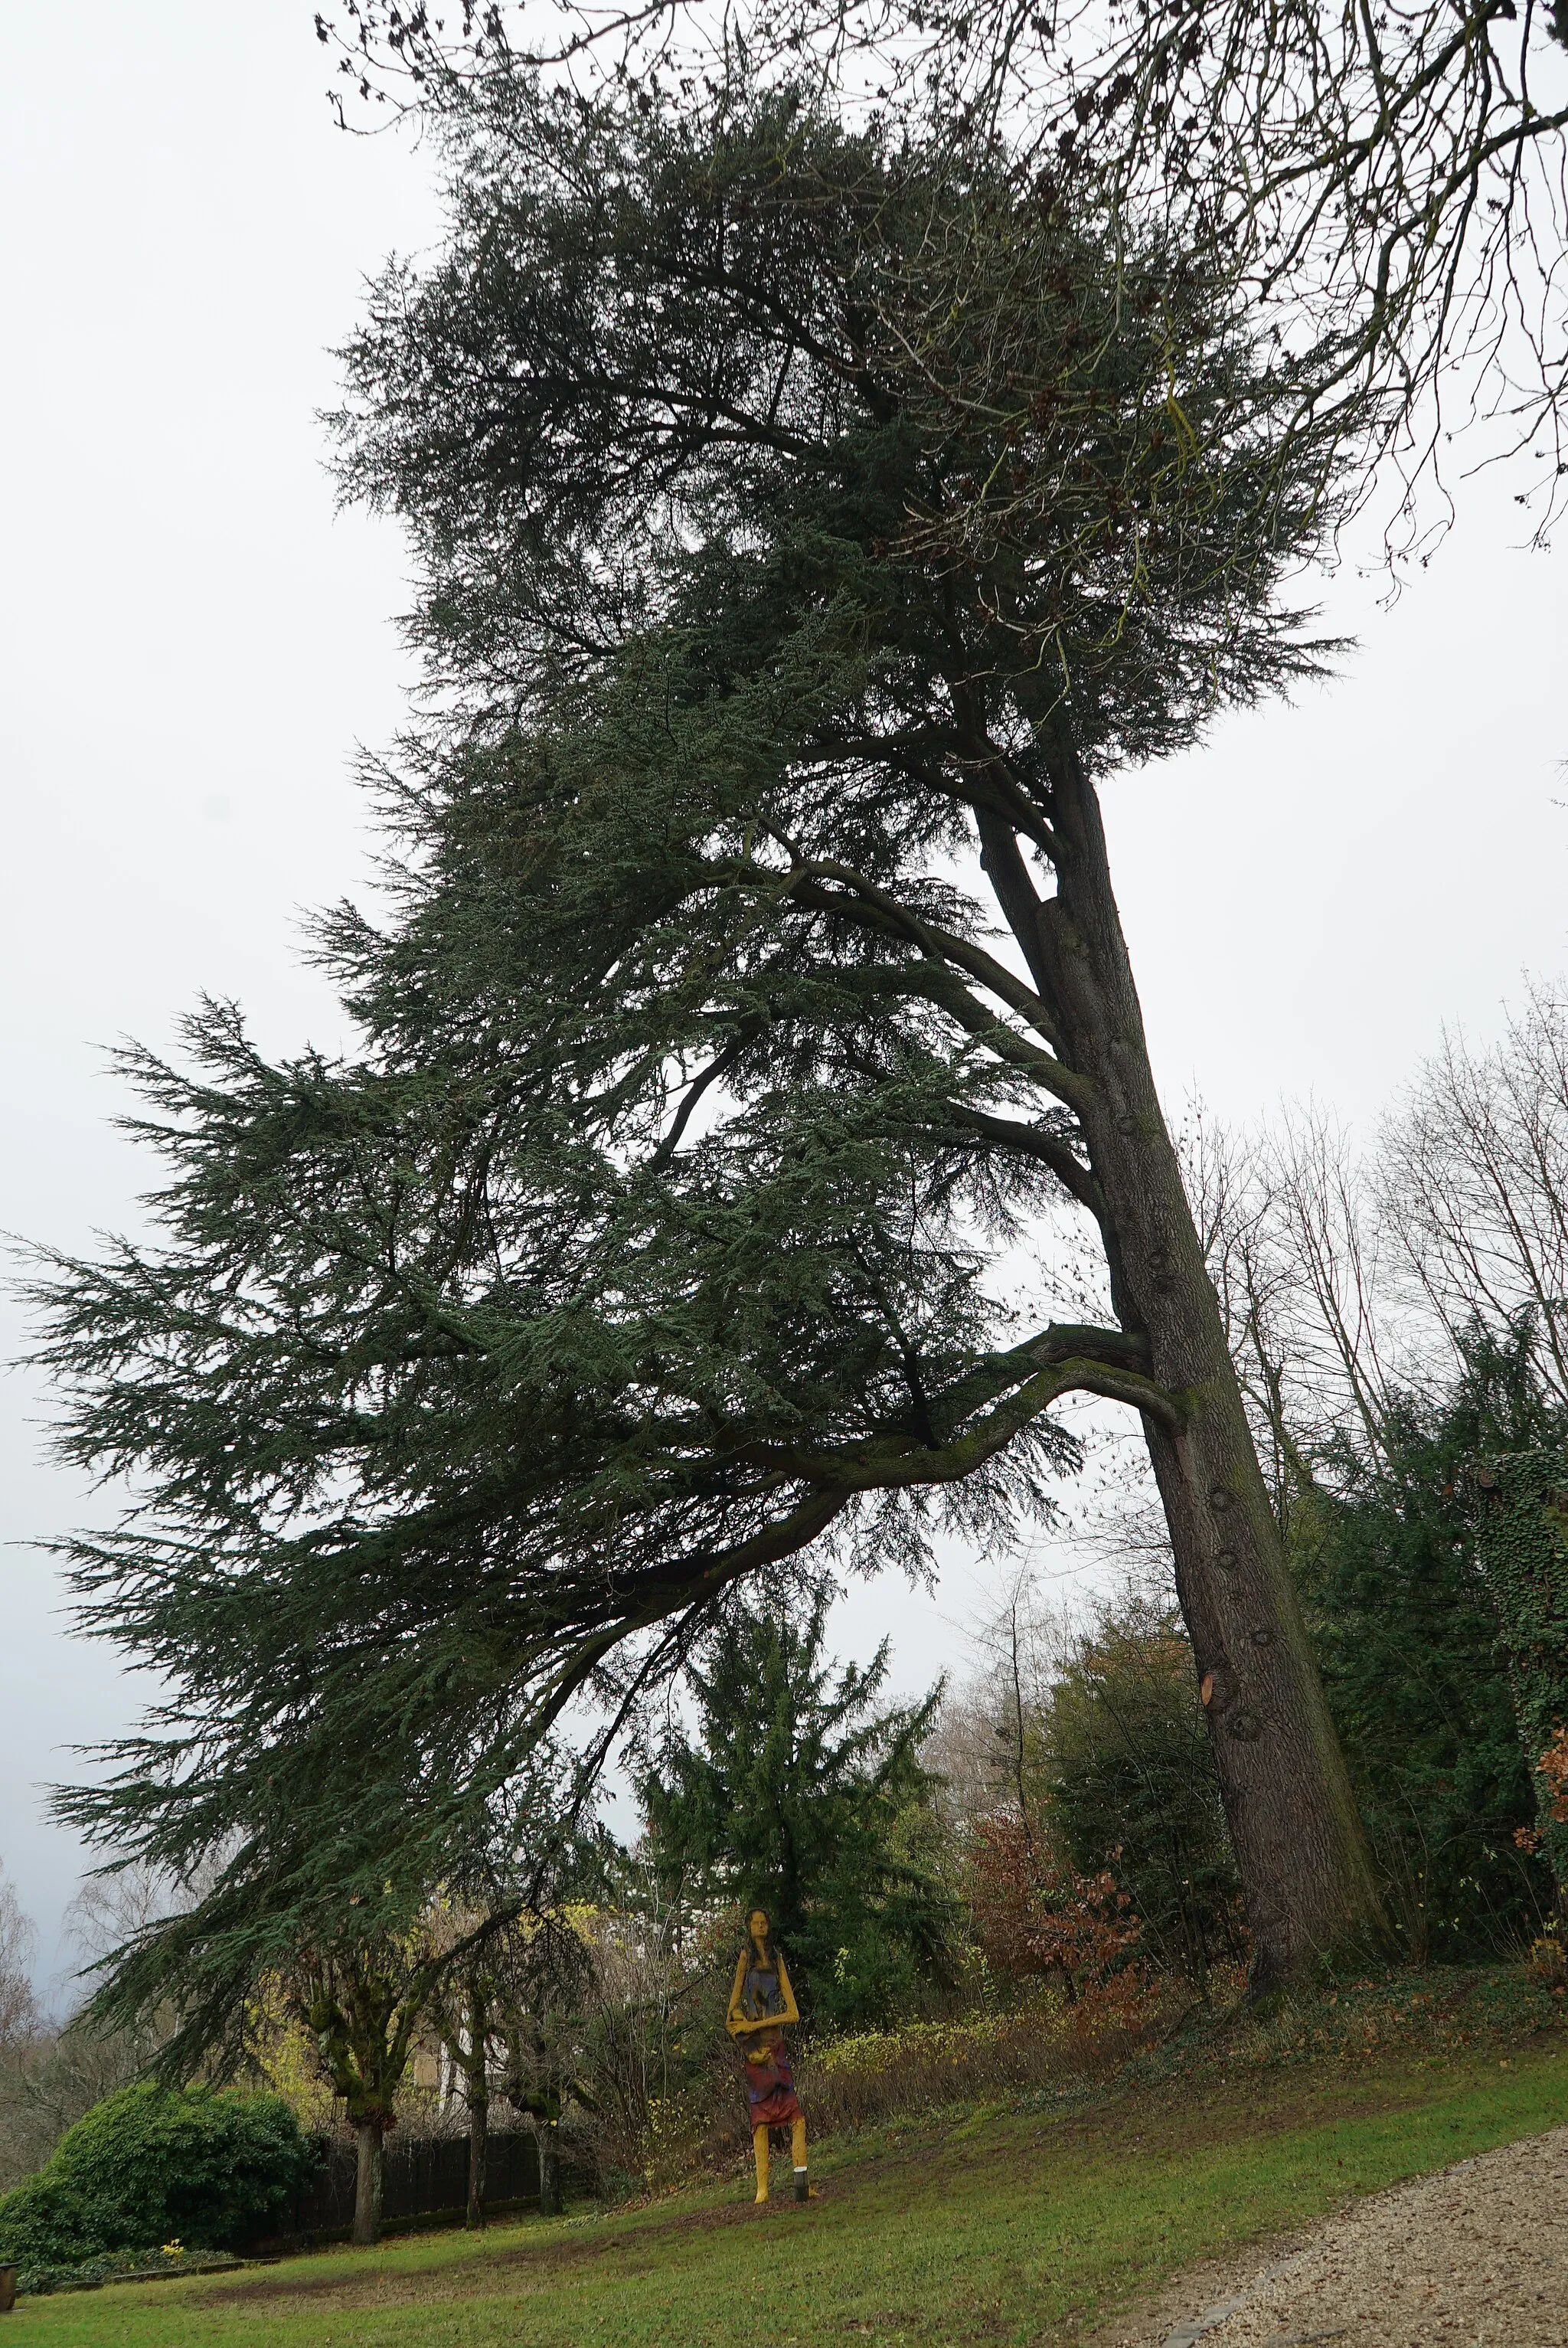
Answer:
(801, 1794)
(807, 529)
(1130, 1786)
(1407, 1635)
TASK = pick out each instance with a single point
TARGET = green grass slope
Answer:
(995, 2229)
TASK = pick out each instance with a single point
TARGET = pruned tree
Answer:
(810, 528)
(543, 1974)
(365, 1999)
(462, 2013)
(654, 2015)
(497, 1924)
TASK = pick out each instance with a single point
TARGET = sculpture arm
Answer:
(736, 2022)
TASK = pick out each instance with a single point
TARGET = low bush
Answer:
(1547, 1964)
(155, 2164)
(121, 2266)
(878, 2076)
(926, 2067)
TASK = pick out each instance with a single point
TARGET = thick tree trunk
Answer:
(368, 2142)
(1302, 1859)
(478, 2141)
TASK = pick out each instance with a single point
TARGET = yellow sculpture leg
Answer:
(760, 2146)
(802, 2188)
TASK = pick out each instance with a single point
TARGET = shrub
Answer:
(1547, 1964)
(1035, 1916)
(155, 2164)
(1132, 1791)
(121, 2266)
(878, 2077)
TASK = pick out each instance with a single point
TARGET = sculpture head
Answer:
(758, 1927)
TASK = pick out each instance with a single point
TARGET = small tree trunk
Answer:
(368, 2142)
(550, 2169)
(479, 2142)
(1304, 1867)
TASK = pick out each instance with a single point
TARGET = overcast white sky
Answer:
(193, 644)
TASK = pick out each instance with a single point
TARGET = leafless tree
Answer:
(50, 2075)
(1346, 1278)
(1472, 1180)
(1387, 176)
(19, 2017)
(116, 1905)
(1298, 1252)
(982, 1746)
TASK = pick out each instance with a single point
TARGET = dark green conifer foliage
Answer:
(1415, 1658)
(1132, 1787)
(803, 526)
(802, 1795)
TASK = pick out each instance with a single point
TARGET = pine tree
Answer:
(801, 1794)
(808, 528)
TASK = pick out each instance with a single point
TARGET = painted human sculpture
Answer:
(761, 2004)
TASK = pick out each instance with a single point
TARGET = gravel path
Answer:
(1475, 2257)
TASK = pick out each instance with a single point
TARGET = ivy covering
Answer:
(1523, 1546)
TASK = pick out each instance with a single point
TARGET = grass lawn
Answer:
(1003, 2228)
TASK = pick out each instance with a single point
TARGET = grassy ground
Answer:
(994, 2226)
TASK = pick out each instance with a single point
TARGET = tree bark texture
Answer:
(368, 2143)
(1300, 1849)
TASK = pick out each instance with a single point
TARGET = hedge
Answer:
(153, 2165)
